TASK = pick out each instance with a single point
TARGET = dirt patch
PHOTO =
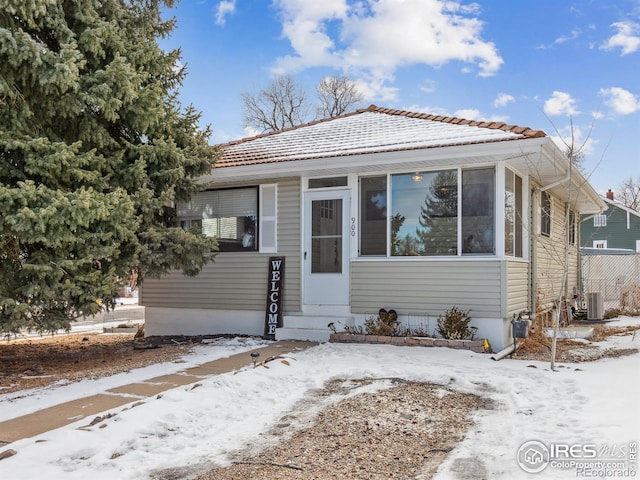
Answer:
(537, 346)
(398, 432)
(43, 361)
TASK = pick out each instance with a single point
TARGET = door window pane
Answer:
(326, 236)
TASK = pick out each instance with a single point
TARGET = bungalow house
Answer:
(375, 209)
(618, 227)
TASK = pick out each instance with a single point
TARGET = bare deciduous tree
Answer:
(562, 253)
(282, 104)
(629, 193)
(337, 95)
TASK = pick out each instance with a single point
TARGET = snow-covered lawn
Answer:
(590, 406)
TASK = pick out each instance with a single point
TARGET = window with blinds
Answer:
(229, 215)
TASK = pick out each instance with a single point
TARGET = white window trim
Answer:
(550, 233)
(596, 242)
(600, 221)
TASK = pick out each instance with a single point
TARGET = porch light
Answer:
(416, 177)
(254, 358)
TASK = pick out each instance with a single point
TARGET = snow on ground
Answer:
(591, 405)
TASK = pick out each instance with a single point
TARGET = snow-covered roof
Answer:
(622, 206)
(371, 130)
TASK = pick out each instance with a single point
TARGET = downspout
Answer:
(555, 184)
(516, 322)
(533, 253)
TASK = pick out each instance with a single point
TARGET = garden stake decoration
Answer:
(254, 357)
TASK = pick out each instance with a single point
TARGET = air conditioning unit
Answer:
(595, 306)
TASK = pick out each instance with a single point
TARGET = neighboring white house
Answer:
(379, 209)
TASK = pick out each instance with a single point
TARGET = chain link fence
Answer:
(616, 275)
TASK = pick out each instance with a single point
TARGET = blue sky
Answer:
(545, 64)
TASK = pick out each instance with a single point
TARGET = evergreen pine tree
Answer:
(438, 215)
(94, 148)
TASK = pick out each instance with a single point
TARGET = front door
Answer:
(326, 248)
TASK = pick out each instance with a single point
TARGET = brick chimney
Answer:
(610, 195)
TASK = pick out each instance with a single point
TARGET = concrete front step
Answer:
(307, 334)
(313, 328)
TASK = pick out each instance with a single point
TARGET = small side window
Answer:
(600, 221)
(545, 214)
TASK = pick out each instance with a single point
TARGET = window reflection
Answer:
(373, 215)
(424, 220)
(478, 212)
(422, 216)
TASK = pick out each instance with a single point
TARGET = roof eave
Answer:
(420, 158)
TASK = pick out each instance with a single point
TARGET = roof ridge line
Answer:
(526, 131)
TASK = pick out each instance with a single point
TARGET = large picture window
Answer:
(423, 217)
(230, 215)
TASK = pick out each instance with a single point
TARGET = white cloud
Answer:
(376, 38)
(627, 38)
(305, 25)
(468, 114)
(575, 33)
(223, 10)
(503, 99)
(621, 101)
(477, 115)
(375, 87)
(428, 86)
(429, 110)
(560, 103)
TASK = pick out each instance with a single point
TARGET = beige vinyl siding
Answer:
(518, 286)
(551, 259)
(428, 287)
(289, 246)
(238, 280)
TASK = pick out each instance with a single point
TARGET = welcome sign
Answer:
(275, 284)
